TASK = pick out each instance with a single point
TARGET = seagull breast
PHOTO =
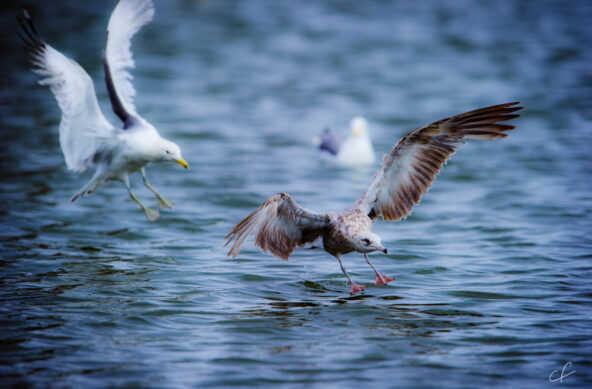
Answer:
(345, 227)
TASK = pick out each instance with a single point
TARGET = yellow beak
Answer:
(182, 162)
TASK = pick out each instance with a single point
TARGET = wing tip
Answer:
(259, 222)
(34, 45)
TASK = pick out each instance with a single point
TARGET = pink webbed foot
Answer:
(382, 279)
(355, 288)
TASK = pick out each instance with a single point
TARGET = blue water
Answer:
(493, 269)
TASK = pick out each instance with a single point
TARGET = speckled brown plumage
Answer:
(279, 225)
(407, 172)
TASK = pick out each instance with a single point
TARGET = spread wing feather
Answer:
(126, 20)
(279, 225)
(83, 128)
(411, 167)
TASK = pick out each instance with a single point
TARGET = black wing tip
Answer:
(28, 33)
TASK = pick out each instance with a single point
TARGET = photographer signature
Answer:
(563, 373)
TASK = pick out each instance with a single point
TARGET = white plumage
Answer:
(87, 139)
(83, 127)
(126, 20)
(355, 151)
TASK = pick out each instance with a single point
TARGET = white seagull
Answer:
(86, 137)
(408, 171)
(355, 151)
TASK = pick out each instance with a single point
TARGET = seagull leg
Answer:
(381, 279)
(151, 214)
(353, 287)
(162, 202)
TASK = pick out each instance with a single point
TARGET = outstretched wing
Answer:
(279, 225)
(126, 20)
(413, 164)
(83, 127)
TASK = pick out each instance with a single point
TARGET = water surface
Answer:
(492, 269)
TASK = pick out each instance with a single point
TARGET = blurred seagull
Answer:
(86, 137)
(407, 172)
(355, 151)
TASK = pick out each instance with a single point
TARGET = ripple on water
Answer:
(492, 268)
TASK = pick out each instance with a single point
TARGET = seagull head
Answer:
(359, 126)
(169, 151)
(368, 243)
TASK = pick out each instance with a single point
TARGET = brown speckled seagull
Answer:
(407, 172)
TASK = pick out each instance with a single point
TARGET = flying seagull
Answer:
(87, 139)
(356, 150)
(407, 172)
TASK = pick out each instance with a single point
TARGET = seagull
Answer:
(407, 172)
(87, 139)
(355, 151)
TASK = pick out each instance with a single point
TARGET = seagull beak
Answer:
(384, 250)
(182, 162)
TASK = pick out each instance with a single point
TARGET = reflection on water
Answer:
(492, 269)
(397, 318)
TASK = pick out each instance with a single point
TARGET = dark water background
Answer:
(493, 269)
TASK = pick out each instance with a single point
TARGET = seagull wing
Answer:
(279, 225)
(411, 167)
(329, 141)
(126, 20)
(83, 128)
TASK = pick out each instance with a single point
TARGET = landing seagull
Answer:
(86, 137)
(407, 172)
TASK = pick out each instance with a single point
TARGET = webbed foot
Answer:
(152, 214)
(382, 279)
(164, 203)
(355, 288)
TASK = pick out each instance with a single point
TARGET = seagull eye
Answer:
(168, 152)
(366, 241)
